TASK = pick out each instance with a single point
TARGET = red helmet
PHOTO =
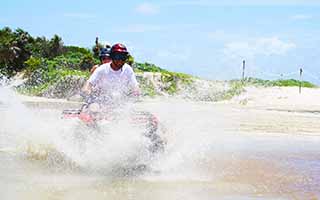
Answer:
(119, 48)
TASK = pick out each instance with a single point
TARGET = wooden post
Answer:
(300, 84)
(243, 69)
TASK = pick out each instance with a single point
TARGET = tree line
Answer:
(18, 46)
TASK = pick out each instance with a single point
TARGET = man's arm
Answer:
(86, 90)
(88, 87)
(135, 90)
(93, 69)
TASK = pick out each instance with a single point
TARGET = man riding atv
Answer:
(116, 76)
(111, 85)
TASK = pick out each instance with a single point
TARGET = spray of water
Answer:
(44, 135)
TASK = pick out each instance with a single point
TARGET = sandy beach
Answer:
(282, 98)
(279, 110)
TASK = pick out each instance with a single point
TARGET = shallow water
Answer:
(206, 157)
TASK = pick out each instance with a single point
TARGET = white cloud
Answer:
(301, 17)
(261, 46)
(147, 9)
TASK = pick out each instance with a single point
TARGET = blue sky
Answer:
(204, 38)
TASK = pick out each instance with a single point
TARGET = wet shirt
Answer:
(109, 81)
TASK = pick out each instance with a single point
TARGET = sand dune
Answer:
(278, 110)
(280, 97)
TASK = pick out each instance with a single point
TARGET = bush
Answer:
(147, 67)
(32, 64)
(75, 49)
(269, 83)
(87, 61)
(293, 82)
(146, 88)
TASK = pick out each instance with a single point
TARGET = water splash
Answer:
(42, 135)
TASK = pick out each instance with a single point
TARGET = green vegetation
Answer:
(171, 78)
(20, 51)
(235, 90)
(293, 82)
(271, 83)
(42, 72)
(237, 86)
(147, 89)
(147, 67)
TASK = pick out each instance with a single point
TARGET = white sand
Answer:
(278, 110)
(280, 97)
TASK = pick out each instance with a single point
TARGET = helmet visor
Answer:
(119, 56)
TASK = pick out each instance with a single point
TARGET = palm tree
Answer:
(56, 46)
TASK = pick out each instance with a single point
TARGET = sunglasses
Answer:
(121, 57)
